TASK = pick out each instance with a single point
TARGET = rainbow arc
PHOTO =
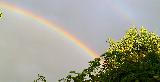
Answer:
(49, 24)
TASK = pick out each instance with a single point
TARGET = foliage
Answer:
(40, 79)
(134, 58)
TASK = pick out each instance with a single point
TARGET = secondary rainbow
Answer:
(119, 9)
(49, 24)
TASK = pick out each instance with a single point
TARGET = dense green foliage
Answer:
(134, 58)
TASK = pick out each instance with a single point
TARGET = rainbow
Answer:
(119, 9)
(49, 24)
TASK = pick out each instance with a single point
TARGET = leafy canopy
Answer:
(134, 58)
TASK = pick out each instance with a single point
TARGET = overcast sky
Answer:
(28, 48)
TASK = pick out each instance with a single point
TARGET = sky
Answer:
(28, 47)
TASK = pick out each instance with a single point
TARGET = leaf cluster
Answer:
(40, 79)
(134, 58)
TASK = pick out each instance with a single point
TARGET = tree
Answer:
(134, 58)
(40, 79)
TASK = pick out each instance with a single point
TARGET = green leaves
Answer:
(134, 58)
(40, 79)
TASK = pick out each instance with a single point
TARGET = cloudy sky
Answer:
(28, 47)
